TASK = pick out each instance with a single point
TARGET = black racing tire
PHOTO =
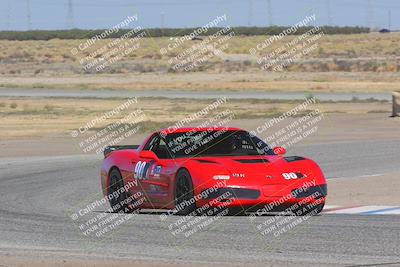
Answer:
(118, 203)
(309, 209)
(184, 195)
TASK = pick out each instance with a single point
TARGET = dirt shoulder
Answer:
(365, 190)
(255, 80)
(68, 261)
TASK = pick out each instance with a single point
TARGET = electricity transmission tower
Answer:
(269, 7)
(250, 14)
(8, 16)
(370, 14)
(28, 15)
(70, 15)
(329, 12)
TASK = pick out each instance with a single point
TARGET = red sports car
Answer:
(186, 169)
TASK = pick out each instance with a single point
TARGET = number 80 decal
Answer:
(292, 175)
(141, 170)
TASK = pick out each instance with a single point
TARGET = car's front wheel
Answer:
(184, 195)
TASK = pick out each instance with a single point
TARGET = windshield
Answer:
(216, 143)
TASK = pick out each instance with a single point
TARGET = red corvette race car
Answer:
(186, 169)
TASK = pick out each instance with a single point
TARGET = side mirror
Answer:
(279, 150)
(147, 154)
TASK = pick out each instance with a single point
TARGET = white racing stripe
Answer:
(361, 176)
(363, 210)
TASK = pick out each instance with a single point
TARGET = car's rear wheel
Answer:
(119, 199)
(184, 195)
(310, 209)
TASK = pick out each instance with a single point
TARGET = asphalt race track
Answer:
(33, 92)
(38, 195)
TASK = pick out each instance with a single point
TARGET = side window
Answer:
(153, 143)
(162, 150)
(158, 146)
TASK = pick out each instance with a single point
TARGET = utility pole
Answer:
(70, 15)
(311, 11)
(162, 23)
(269, 7)
(8, 15)
(370, 14)
(28, 15)
(329, 13)
(389, 19)
(250, 15)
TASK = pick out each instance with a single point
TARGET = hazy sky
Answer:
(90, 14)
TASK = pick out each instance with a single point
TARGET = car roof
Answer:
(198, 129)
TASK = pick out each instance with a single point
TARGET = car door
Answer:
(150, 174)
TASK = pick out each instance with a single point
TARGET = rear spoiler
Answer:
(110, 149)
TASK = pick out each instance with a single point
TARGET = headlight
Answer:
(221, 177)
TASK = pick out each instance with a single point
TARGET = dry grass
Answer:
(345, 46)
(236, 81)
(35, 117)
(359, 52)
(359, 62)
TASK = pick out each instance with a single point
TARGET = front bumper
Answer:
(280, 196)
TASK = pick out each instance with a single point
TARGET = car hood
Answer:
(245, 170)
